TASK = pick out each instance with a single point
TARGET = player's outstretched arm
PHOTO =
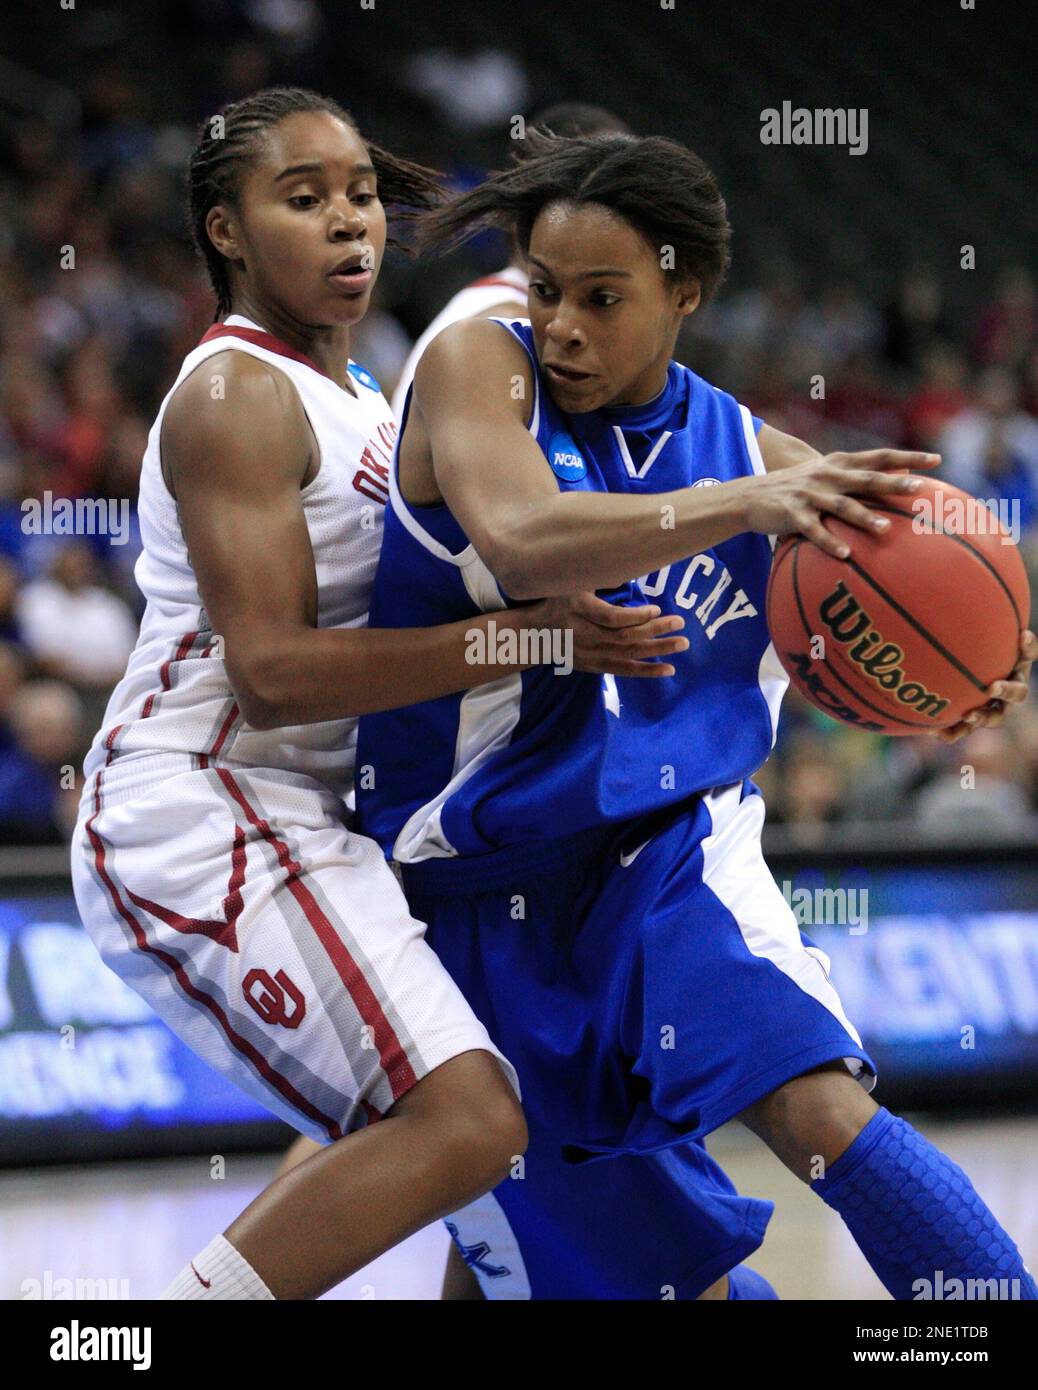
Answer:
(781, 450)
(537, 540)
(474, 388)
(236, 466)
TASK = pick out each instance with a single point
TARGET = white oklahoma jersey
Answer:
(213, 863)
(503, 287)
(174, 707)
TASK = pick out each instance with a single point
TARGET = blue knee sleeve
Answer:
(744, 1283)
(918, 1219)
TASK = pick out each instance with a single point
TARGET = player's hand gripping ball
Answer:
(923, 628)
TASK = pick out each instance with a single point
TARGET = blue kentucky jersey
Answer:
(543, 755)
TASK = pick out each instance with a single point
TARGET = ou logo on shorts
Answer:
(269, 999)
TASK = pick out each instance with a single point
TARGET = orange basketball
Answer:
(908, 632)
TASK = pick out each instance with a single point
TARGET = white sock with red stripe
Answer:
(218, 1272)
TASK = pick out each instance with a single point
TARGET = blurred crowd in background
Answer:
(88, 349)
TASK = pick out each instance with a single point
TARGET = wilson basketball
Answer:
(908, 632)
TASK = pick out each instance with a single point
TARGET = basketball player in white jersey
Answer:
(212, 861)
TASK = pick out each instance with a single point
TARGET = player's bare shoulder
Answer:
(220, 411)
(477, 367)
(473, 373)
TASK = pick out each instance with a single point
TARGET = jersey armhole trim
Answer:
(756, 457)
(396, 498)
(533, 424)
(410, 522)
(752, 443)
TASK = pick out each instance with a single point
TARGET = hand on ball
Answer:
(1001, 695)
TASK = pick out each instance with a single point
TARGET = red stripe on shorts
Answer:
(203, 758)
(186, 643)
(392, 1056)
(273, 1078)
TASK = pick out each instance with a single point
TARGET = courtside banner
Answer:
(86, 1069)
(935, 955)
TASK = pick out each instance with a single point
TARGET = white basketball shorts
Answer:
(270, 938)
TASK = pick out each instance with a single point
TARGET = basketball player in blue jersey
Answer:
(586, 850)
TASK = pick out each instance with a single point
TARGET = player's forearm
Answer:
(583, 540)
(779, 450)
(314, 674)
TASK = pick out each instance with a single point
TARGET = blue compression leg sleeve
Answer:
(918, 1219)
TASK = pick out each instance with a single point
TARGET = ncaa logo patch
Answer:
(567, 462)
(362, 375)
(707, 482)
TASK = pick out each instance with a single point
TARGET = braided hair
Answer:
(228, 141)
(659, 186)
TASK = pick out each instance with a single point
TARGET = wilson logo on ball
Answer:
(845, 618)
(916, 624)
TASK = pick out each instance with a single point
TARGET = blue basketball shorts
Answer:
(648, 981)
